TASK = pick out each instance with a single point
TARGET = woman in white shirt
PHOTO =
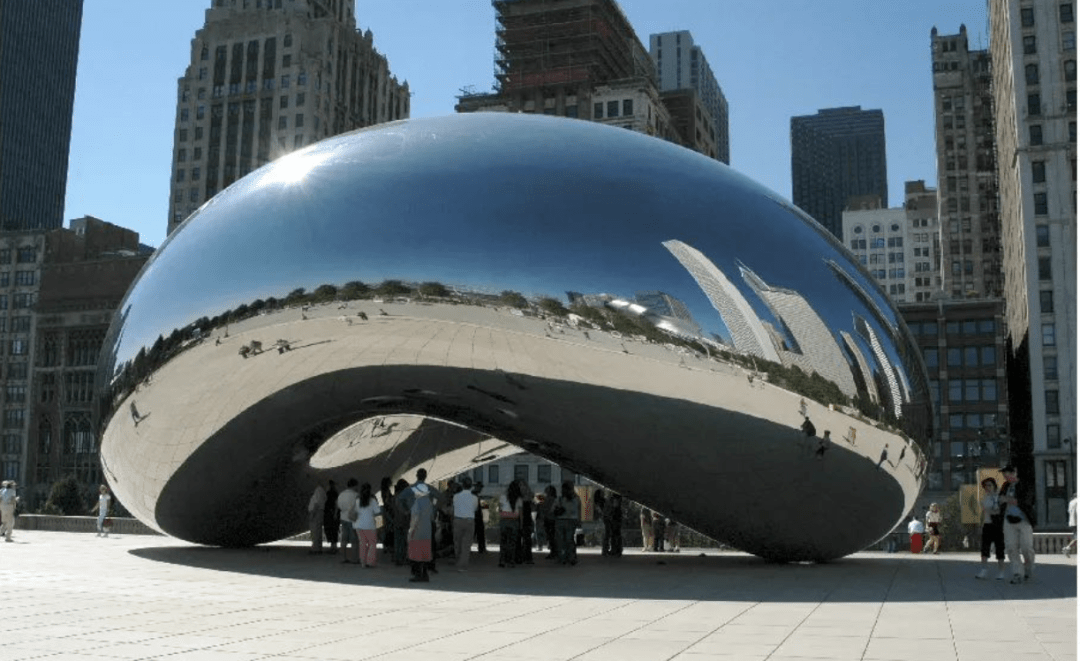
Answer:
(367, 508)
(933, 526)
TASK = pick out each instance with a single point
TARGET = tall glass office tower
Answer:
(39, 51)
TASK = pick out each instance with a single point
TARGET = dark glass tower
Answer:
(837, 154)
(39, 51)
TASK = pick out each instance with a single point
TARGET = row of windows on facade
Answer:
(965, 390)
(23, 255)
(1068, 43)
(1035, 106)
(613, 109)
(883, 258)
(1035, 134)
(230, 171)
(19, 301)
(1031, 72)
(217, 110)
(967, 327)
(22, 278)
(891, 274)
(876, 244)
(1065, 15)
(78, 434)
(489, 475)
(78, 389)
(973, 356)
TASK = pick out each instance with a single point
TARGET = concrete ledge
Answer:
(123, 526)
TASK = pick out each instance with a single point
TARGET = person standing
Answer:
(465, 505)
(401, 522)
(345, 502)
(367, 508)
(478, 519)
(1071, 546)
(386, 500)
(993, 531)
(1018, 502)
(915, 529)
(672, 528)
(103, 504)
(421, 514)
(567, 519)
(546, 514)
(934, 519)
(331, 517)
(8, 500)
(658, 532)
(525, 540)
(316, 510)
(599, 505)
(509, 524)
(646, 529)
(613, 524)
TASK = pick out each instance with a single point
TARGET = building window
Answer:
(598, 111)
(1070, 99)
(1031, 74)
(24, 278)
(286, 61)
(287, 40)
(1050, 372)
(930, 357)
(1027, 17)
(300, 98)
(1029, 45)
(1034, 104)
(493, 474)
(1038, 172)
(284, 103)
(1053, 436)
(1041, 208)
(22, 301)
(1048, 339)
(1044, 268)
(1042, 236)
(13, 418)
(1052, 407)
(1065, 12)
(1070, 70)
(956, 390)
(1035, 134)
(1046, 301)
(1068, 41)
(299, 121)
(628, 107)
(612, 108)
(283, 122)
(521, 472)
(543, 473)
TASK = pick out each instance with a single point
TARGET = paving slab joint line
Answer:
(707, 634)
(948, 609)
(881, 606)
(824, 598)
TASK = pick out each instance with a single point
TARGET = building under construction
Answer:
(553, 56)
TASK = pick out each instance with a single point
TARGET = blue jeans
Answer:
(567, 545)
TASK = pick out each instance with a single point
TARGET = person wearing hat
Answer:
(8, 499)
(1018, 503)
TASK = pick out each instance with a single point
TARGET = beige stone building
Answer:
(268, 77)
(1033, 43)
(967, 173)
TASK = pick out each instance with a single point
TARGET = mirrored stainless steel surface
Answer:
(436, 292)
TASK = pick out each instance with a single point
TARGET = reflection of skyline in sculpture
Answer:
(669, 311)
(885, 367)
(865, 372)
(748, 334)
(815, 348)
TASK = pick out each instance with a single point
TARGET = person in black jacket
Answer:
(1018, 505)
(331, 517)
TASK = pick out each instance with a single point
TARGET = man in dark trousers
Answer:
(331, 517)
(1018, 504)
(481, 537)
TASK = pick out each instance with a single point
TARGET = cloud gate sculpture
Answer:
(436, 292)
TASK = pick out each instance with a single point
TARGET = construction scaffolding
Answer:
(543, 43)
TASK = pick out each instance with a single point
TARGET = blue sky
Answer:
(774, 59)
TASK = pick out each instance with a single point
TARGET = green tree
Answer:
(433, 289)
(325, 293)
(65, 497)
(295, 296)
(354, 289)
(513, 299)
(553, 307)
(392, 288)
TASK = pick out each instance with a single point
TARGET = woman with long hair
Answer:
(367, 508)
(509, 524)
(567, 519)
(386, 497)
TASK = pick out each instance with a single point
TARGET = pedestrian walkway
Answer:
(78, 596)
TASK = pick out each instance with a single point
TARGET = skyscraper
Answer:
(266, 78)
(1033, 45)
(837, 154)
(967, 169)
(39, 51)
(681, 65)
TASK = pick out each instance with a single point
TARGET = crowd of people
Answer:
(421, 524)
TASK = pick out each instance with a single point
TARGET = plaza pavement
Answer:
(78, 596)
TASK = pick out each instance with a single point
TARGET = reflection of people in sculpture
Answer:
(808, 429)
(933, 523)
(135, 417)
(823, 445)
(316, 511)
(884, 456)
(362, 315)
(803, 407)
